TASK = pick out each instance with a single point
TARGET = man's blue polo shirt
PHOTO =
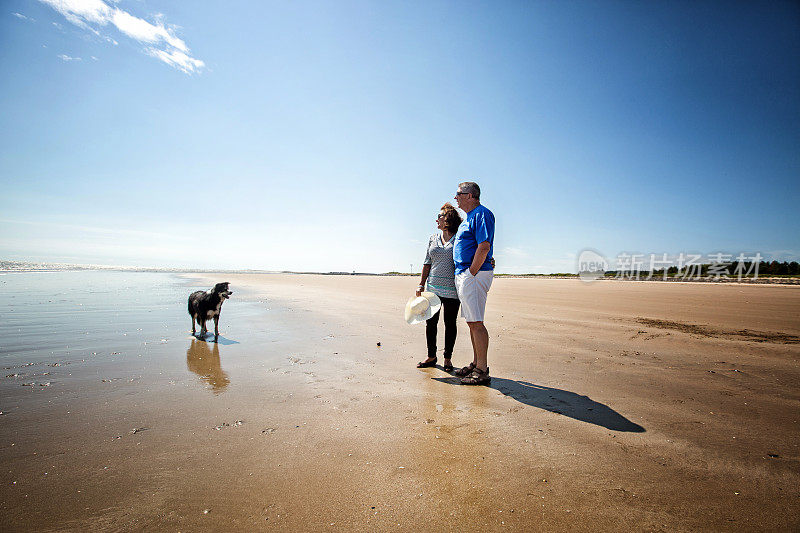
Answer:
(477, 228)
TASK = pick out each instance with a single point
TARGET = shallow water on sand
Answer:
(54, 317)
(69, 327)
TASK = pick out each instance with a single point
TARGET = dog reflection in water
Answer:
(204, 362)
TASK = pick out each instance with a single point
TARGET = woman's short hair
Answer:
(451, 217)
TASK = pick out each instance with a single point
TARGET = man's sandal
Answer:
(478, 377)
(466, 371)
(427, 364)
(447, 367)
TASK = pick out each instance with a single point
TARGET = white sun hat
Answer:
(421, 308)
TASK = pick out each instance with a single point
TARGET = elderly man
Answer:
(472, 255)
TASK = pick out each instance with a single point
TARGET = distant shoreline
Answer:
(27, 266)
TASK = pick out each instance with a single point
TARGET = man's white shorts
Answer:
(472, 291)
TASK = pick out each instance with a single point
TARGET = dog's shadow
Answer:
(559, 401)
(209, 337)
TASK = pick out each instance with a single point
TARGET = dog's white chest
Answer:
(213, 312)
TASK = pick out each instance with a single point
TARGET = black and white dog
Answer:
(204, 305)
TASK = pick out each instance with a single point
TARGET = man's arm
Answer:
(480, 257)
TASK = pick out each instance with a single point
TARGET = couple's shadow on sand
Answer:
(559, 401)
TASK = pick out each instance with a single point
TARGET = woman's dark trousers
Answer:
(450, 309)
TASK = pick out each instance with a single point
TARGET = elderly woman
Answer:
(439, 274)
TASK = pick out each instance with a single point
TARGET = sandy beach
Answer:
(613, 406)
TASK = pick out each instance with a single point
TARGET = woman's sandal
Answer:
(466, 371)
(478, 377)
(448, 367)
(426, 364)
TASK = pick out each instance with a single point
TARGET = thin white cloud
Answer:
(160, 38)
(514, 251)
(143, 31)
(67, 58)
(94, 229)
(94, 58)
(23, 17)
(176, 59)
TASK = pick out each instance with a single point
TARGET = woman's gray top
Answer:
(441, 280)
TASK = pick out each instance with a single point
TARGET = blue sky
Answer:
(325, 136)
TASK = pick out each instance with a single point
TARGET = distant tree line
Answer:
(747, 269)
(779, 269)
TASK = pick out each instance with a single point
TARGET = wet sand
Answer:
(613, 405)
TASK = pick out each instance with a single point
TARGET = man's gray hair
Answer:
(472, 188)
